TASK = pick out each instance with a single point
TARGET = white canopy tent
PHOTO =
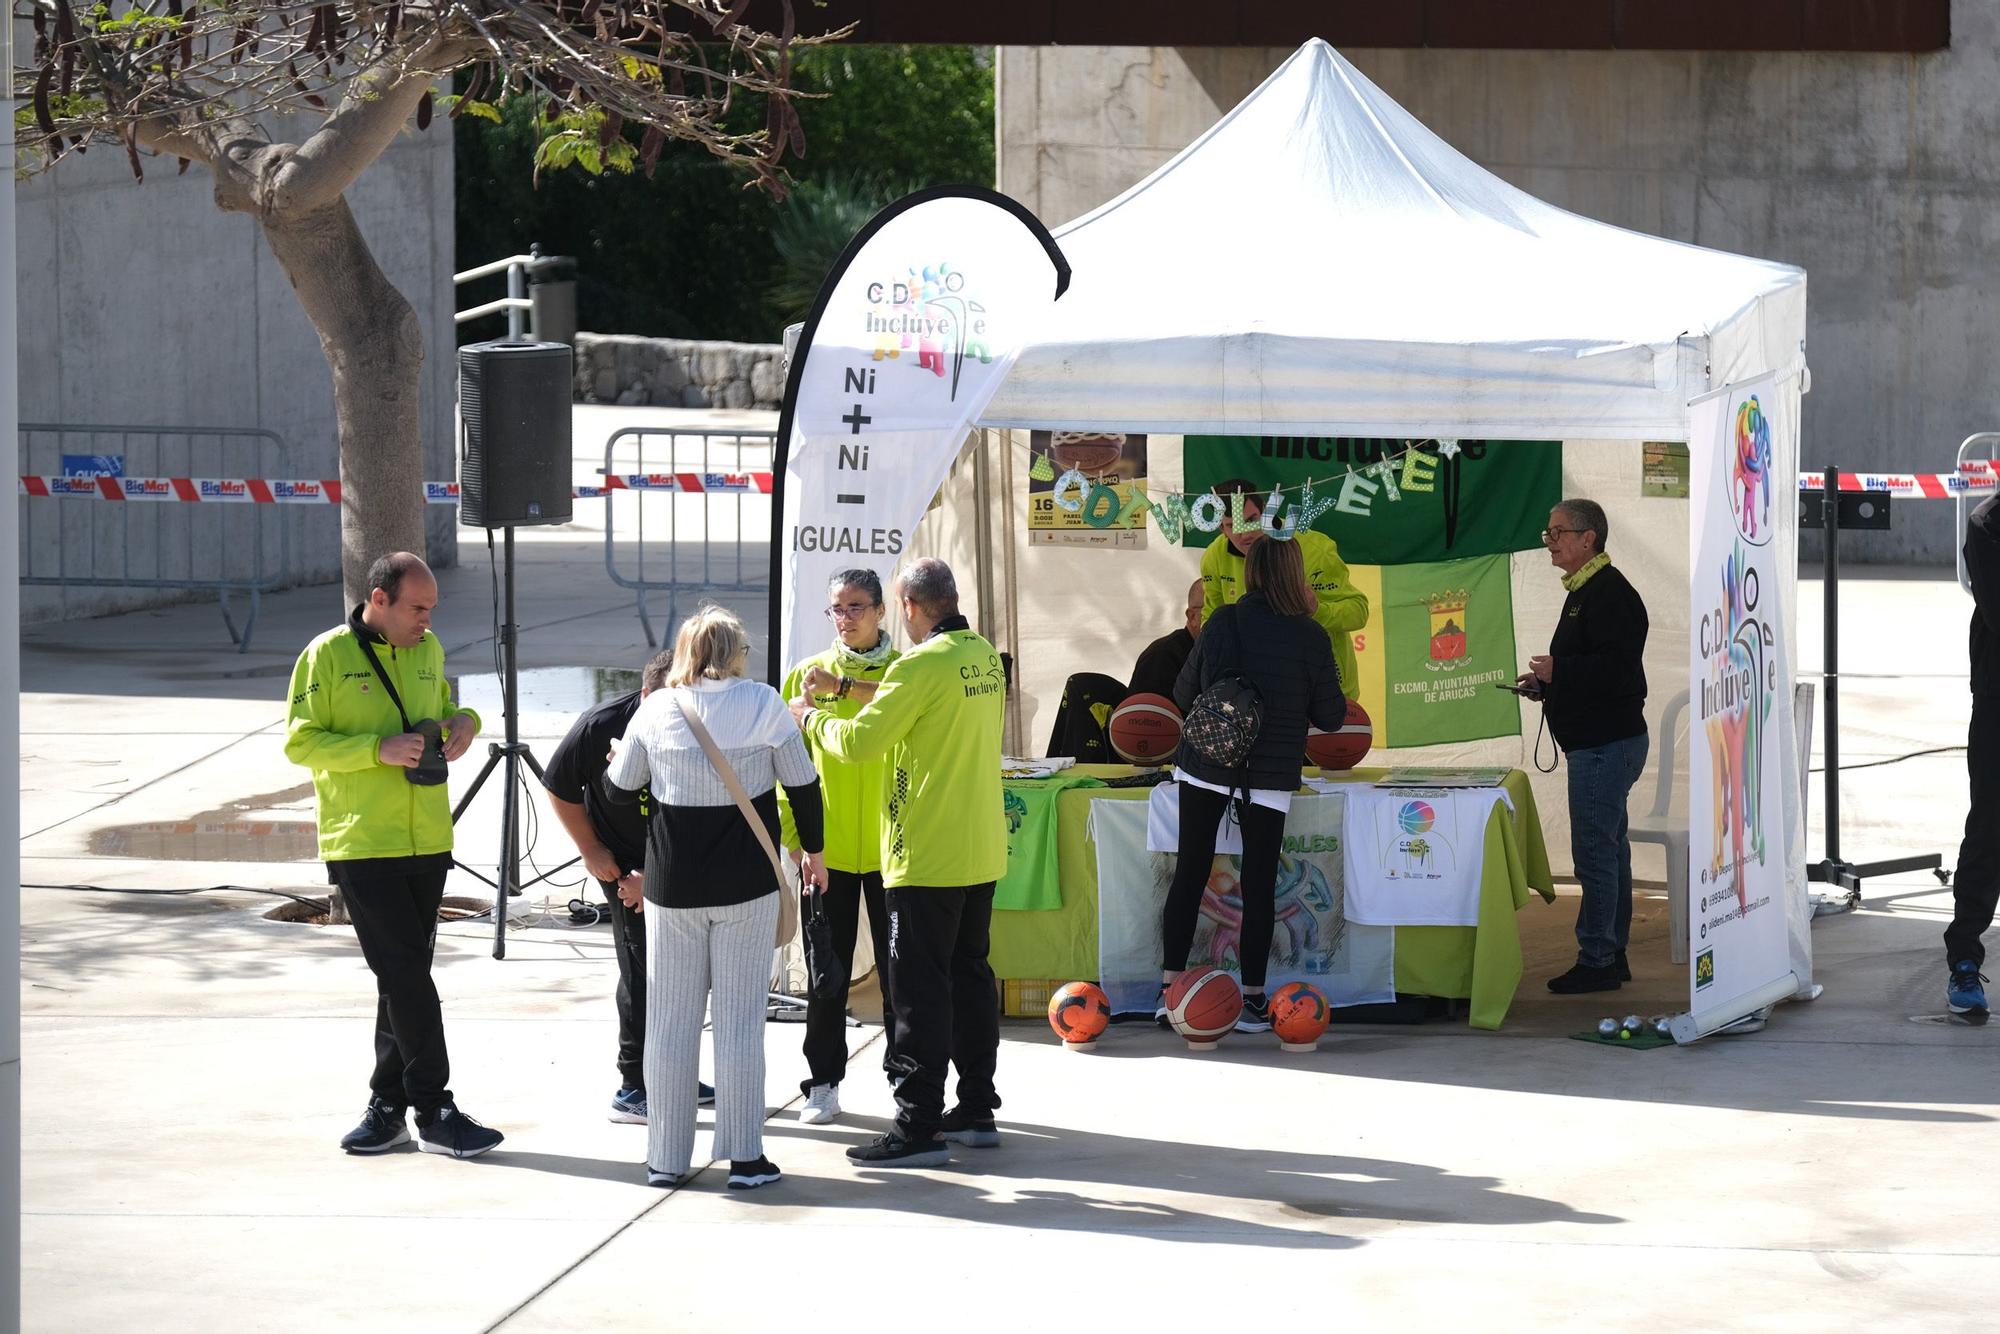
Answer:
(1321, 264)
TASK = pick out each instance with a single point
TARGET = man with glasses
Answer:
(1592, 688)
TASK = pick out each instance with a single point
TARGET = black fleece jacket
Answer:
(1290, 661)
(1596, 693)
(1982, 566)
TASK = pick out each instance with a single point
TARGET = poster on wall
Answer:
(1085, 489)
(1396, 502)
(1311, 940)
(1736, 839)
(1440, 635)
(1663, 469)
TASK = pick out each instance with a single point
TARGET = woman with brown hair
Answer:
(1269, 638)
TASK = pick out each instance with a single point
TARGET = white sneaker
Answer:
(822, 1105)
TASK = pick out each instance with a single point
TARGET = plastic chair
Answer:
(1668, 828)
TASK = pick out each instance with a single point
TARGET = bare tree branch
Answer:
(378, 104)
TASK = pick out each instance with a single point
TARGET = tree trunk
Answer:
(375, 348)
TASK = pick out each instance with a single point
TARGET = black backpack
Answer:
(1222, 724)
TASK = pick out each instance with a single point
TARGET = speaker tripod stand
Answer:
(508, 755)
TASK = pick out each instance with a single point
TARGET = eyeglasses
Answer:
(850, 611)
(1551, 534)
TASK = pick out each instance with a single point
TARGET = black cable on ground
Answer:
(318, 904)
(1894, 759)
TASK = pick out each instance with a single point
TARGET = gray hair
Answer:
(1588, 515)
(866, 580)
(928, 582)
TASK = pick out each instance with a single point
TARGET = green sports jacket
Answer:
(1342, 609)
(339, 714)
(937, 718)
(854, 794)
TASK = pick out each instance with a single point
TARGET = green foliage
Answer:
(809, 232)
(692, 253)
(579, 139)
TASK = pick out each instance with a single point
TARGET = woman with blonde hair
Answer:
(1269, 638)
(712, 893)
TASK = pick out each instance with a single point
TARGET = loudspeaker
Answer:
(514, 437)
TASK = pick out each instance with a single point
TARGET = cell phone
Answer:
(1523, 691)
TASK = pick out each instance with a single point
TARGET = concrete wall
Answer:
(143, 304)
(1876, 173)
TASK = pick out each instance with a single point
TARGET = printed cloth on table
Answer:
(1414, 854)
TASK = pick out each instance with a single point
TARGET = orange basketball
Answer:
(1078, 1012)
(1203, 1003)
(1146, 729)
(1298, 1013)
(1344, 748)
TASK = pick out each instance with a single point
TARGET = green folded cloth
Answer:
(1031, 883)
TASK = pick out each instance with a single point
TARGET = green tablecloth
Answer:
(1477, 963)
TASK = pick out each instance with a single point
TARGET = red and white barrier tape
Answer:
(1972, 479)
(266, 491)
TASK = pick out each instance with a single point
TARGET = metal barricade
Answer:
(1983, 446)
(716, 492)
(92, 542)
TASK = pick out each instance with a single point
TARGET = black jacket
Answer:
(1290, 661)
(1982, 566)
(1160, 665)
(1597, 691)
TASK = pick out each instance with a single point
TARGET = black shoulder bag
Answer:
(431, 769)
(1222, 724)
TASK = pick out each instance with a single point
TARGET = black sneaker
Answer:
(1584, 978)
(1624, 968)
(452, 1131)
(383, 1126)
(1160, 1009)
(704, 1094)
(748, 1176)
(892, 1150)
(973, 1129)
(1256, 1016)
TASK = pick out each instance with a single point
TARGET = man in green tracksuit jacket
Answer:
(1342, 609)
(359, 694)
(937, 716)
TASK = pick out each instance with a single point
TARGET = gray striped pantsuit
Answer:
(695, 958)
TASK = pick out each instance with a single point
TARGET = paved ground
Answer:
(189, 1064)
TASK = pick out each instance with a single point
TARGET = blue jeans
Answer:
(1600, 780)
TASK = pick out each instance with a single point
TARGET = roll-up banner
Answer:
(913, 332)
(1740, 674)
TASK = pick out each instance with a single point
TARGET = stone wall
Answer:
(678, 372)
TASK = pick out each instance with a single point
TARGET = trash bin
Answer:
(552, 288)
